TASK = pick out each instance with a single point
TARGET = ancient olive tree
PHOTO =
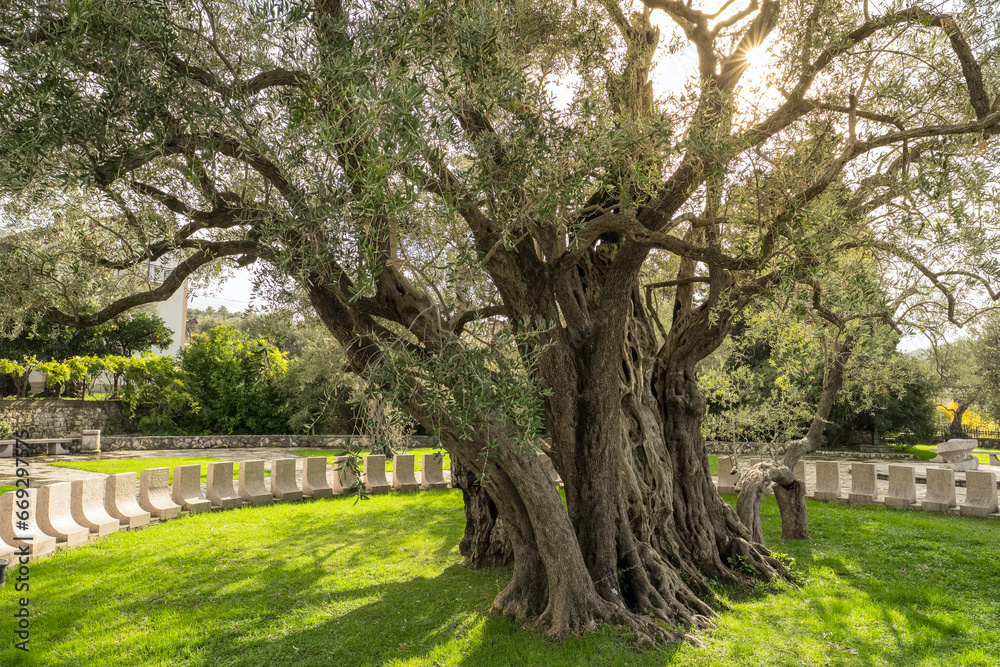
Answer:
(447, 179)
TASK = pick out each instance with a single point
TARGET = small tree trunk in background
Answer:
(955, 428)
(792, 505)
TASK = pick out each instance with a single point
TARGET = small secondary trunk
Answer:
(792, 506)
(485, 542)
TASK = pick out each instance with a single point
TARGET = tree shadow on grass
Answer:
(883, 586)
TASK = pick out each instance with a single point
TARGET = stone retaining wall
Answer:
(58, 418)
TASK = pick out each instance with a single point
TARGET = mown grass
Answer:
(380, 583)
(115, 466)
(4, 489)
(418, 452)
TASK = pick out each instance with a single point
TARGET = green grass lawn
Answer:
(333, 583)
(115, 466)
(418, 452)
(4, 489)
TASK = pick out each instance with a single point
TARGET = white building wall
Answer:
(174, 314)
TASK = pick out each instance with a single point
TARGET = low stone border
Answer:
(114, 443)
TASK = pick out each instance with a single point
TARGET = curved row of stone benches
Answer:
(72, 513)
(981, 497)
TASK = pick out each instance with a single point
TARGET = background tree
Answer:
(409, 167)
(125, 335)
(960, 376)
(236, 381)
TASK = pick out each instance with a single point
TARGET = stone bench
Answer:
(55, 515)
(154, 494)
(18, 527)
(219, 486)
(87, 507)
(314, 481)
(902, 487)
(283, 484)
(343, 477)
(827, 481)
(940, 490)
(403, 478)
(729, 474)
(375, 479)
(55, 446)
(432, 476)
(120, 500)
(980, 494)
(251, 487)
(187, 489)
(864, 488)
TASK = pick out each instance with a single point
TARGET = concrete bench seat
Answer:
(343, 477)
(187, 489)
(864, 490)
(314, 481)
(375, 479)
(940, 490)
(17, 524)
(87, 507)
(980, 494)
(902, 487)
(403, 478)
(120, 500)
(55, 515)
(251, 487)
(219, 486)
(283, 484)
(154, 494)
(432, 476)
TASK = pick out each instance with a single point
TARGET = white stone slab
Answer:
(314, 481)
(827, 481)
(18, 527)
(980, 493)
(87, 506)
(432, 476)
(403, 478)
(252, 488)
(375, 479)
(187, 489)
(219, 486)
(283, 483)
(864, 489)
(55, 515)
(729, 474)
(940, 490)
(120, 500)
(343, 477)
(154, 494)
(902, 487)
